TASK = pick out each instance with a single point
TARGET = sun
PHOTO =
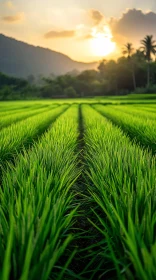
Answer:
(101, 42)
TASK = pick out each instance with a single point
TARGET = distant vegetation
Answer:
(135, 72)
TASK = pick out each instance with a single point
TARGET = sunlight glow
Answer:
(101, 42)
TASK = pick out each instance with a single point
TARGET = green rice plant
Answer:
(122, 186)
(4, 108)
(13, 118)
(148, 108)
(10, 111)
(146, 105)
(141, 129)
(37, 209)
(18, 135)
(137, 112)
(13, 107)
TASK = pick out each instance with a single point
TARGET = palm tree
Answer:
(129, 50)
(149, 49)
(139, 55)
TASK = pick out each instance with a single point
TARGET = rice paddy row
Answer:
(44, 187)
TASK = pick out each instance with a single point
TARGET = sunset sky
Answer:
(85, 30)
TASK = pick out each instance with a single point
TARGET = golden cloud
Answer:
(60, 34)
(133, 25)
(14, 18)
(96, 16)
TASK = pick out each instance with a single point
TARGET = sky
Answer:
(85, 30)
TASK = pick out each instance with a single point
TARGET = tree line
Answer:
(147, 50)
(134, 71)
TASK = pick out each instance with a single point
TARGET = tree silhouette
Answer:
(149, 49)
(128, 51)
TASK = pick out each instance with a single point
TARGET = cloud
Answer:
(80, 26)
(14, 18)
(133, 25)
(60, 34)
(87, 37)
(96, 16)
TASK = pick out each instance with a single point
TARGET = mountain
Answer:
(20, 59)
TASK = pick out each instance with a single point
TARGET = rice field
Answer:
(78, 190)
